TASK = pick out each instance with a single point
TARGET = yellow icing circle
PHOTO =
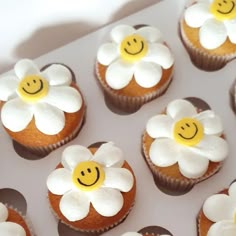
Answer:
(32, 88)
(88, 175)
(223, 9)
(188, 131)
(133, 48)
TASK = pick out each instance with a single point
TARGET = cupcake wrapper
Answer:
(130, 104)
(26, 219)
(173, 186)
(93, 232)
(45, 150)
(201, 59)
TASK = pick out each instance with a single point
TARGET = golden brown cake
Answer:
(135, 67)
(183, 146)
(217, 216)
(208, 32)
(12, 223)
(48, 105)
(92, 189)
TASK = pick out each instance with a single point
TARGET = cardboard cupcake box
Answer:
(152, 206)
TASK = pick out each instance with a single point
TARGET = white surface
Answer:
(31, 28)
(152, 207)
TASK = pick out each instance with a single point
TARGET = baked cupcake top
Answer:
(134, 52)
(215, 20)
(8, 228)
(220, 209)
(88, 178)
(44, 96)
(186, 137)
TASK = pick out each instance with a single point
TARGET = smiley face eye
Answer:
(34, 81)
(225, 1)
(135, 40)
(28, 83)
(82, 173)
(219, 4)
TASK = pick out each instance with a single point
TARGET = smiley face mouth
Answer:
(135, 53)
(231, 9)
(37, 91)
(88, 185)
(195, 133)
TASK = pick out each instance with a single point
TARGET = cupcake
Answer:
(208, 32)
(12, 223)
(150, 231)
(93, 189)
(183, 146)
(218, 216)
(41, 110)
(135, 67)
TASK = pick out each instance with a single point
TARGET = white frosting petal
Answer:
(11, 229)
(163, 152)
(59, 181)
(232, 191)
(118, 178)
(119, 74)
(192, 165)
(48, 119)
(120, 32)
(159, 126)
(131, 234)
(160, 54)
(231, 29)
(16, 115)
(219, 207)
(57, 74)
(73, 155)
(65, 98)
(107, 53)
(74, 205)
(25, 67)
(180, 108)
(222, 228)
(106, 201)
(109, 155)
(151, 34)
(197, 14)
(3, 212)
(147, 74)
(212, 34)
(212, 147)
(211, 122)
(8, 86)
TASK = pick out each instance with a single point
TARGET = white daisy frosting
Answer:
(85, 178)
(139, 53)
(216, 20)
(138, 234)
(221, 209)
(186, 137)
(8, 228)
(44, 96)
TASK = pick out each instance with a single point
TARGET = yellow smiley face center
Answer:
(133, 48)
(32, 88)
(223, 9)
(88, 175)
(188, 131)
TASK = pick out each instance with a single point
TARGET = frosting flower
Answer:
(44, 96)
(9, 228)
(221, 209)
(86, 178)
(134, 52)
(186, 137)
(216, 20)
